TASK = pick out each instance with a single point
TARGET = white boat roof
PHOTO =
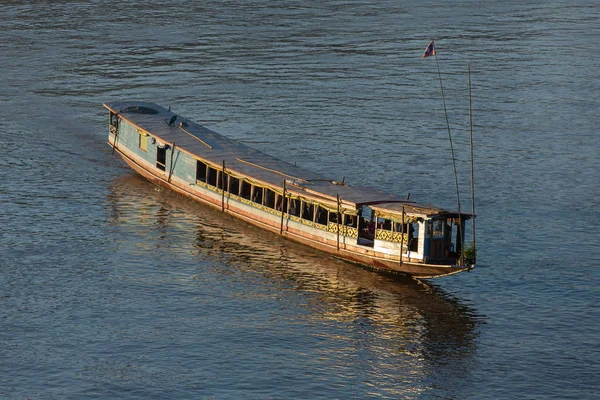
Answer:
(206, 144)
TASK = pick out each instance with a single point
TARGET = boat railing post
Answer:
(171, 166)
(116, 133)
(222, 187)
(408, 243)
(402, 238)
(282, 209)
(338, 222)
(228, 191)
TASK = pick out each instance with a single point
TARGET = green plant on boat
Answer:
(470, 253)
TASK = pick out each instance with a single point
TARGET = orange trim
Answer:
(270, 170)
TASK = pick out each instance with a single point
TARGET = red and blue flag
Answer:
(430, 50)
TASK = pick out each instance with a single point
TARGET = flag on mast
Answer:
(430, 50)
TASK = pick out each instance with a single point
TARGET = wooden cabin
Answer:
(362, 225)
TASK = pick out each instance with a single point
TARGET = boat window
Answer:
(234, 185)
(413, 236)
(398, 227)
(246, 191)
(257, 194)
(222, 180)
(212, 176)
(386, 225)
(350, 220)
(452, 231)
(143, 141)
(161, 157)
(269, 198)
(278, 201)
(366, 231)
(333, 217)
(322, 215)
(294, 207)
(438, 228)
(308, 211)
(200, 171)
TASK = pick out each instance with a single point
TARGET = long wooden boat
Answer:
(362, 225)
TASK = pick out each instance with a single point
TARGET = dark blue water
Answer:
(113, 288)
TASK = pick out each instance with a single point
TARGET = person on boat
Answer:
(293, 208)
(371, 230)
(354, 221)
(307, 214)
(351, 221)
(450, 253)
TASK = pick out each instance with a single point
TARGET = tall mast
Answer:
(453, 158)
(471, 145)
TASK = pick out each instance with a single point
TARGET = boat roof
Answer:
(418, 209)
(208, 145)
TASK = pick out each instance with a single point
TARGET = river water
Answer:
(113, 288)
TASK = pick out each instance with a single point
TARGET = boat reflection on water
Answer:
(403, 320)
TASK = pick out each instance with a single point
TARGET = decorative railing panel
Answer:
(344, 230)
(294, 218)
(307, 222)
(321, 227)
(389, 236)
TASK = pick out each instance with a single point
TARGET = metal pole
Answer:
(116, 134)
(171, 166)
(472, 173)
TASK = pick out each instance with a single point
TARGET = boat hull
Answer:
(357, 254)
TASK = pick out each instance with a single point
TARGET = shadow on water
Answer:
(445, 329)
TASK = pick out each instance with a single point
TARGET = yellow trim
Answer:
(294, 218)
(197, 138)
(321, 227)
(307, 222)
(395, 217)
(269, 169)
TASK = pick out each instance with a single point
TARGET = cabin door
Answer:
(438, 244)
(161, 157)
(366, 227)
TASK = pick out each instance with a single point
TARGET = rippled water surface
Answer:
(113, 288)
